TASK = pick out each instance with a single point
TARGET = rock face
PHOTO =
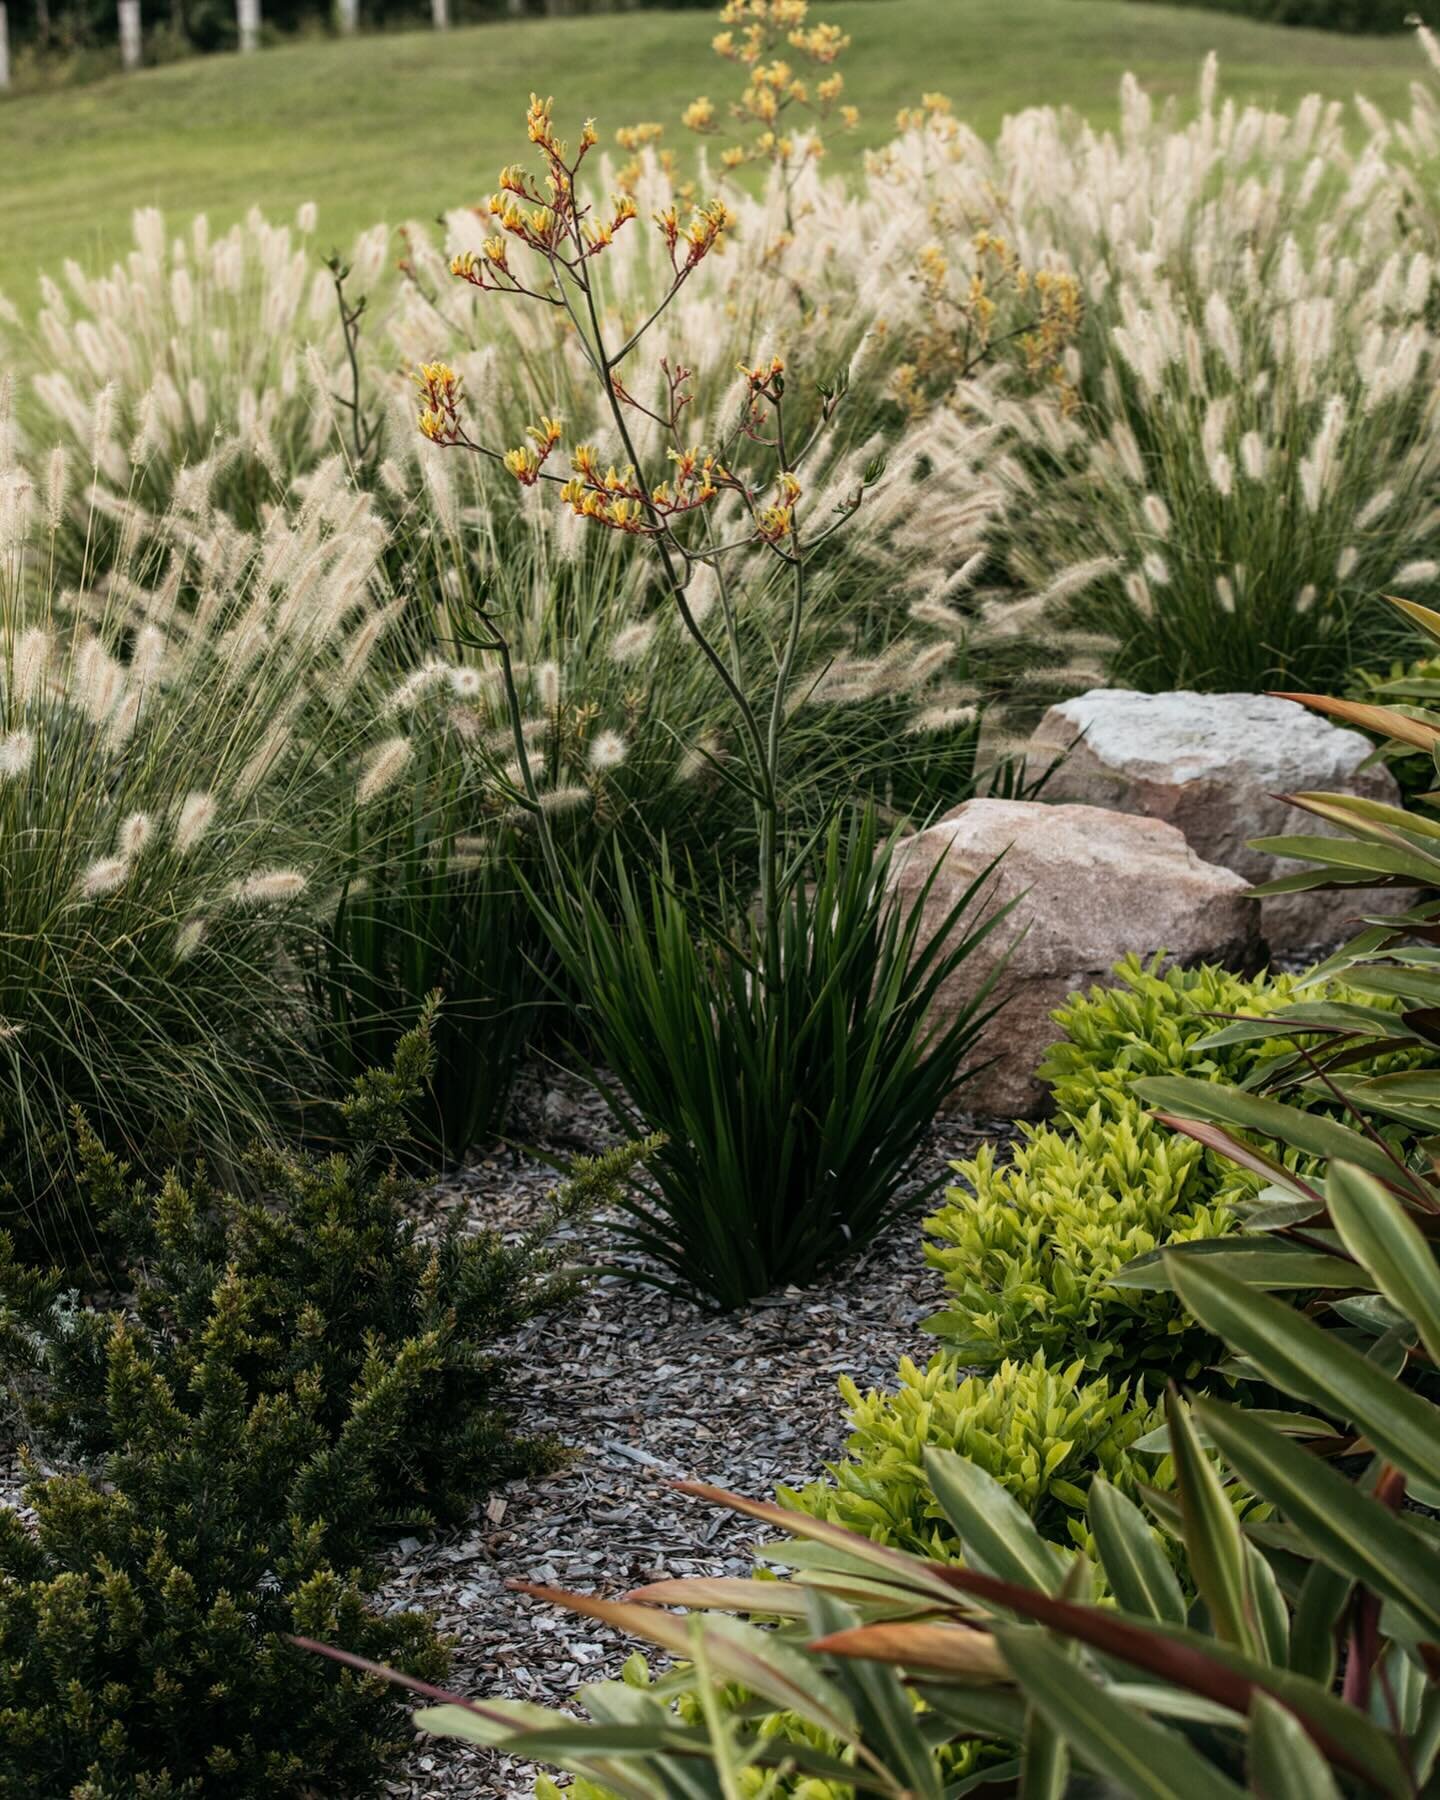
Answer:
(1213, 764)
(1094, 885)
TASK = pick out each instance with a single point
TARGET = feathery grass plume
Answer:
(270, 887)
(384, 766)
(1290, 463)
(184, 356)
(136, 792)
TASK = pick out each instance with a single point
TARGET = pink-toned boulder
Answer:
(1216, 765)
(1093, 885)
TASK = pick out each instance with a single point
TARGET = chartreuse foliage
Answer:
(296, 1376)
(1031, 1249)
(1161, 1020)
(1041, 1433)
(1304, 1667)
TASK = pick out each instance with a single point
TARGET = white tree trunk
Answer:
(129, 16)
(247, 17)
(440, 14)
(4, 47)
(347, 13)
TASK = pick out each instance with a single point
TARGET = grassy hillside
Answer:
(401, 125)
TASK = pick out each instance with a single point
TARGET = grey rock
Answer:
(1091, 885)
(1217, 766)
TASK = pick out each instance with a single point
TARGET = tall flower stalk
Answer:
(565, 235)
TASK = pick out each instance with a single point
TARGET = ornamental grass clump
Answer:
(1243, 448)
(1259, 459)
(778, 1042)
(175, 734)
(200, 362)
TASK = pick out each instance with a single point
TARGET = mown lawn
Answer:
(404, 124)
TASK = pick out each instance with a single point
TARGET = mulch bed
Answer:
(645, 1389)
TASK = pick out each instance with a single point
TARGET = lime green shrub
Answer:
(1028, 1249)
(1041, 1430)
(1151, 1022)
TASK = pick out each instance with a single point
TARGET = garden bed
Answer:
(645, 1390)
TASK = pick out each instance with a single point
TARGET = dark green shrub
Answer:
(319, 1304)
(293, 1377)
(143, 1650)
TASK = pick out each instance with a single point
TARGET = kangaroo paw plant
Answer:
(780, 1040)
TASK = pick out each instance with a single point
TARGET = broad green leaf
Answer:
(1284, 1763)
(1311, 1132)
(976, 1711)
(1378, 1233)
(1323, 1597)
(1044, 1759)
(844, 1550)
(1117, 1741)
(1259, 1162)
(627, 1777)
(1137, 1569)
(1354, 1533)
(883, 1707)
(1259, 1262)
(779, 1599)
(1299, 1357)
(1425, 1746)
(1212, 1537)
(1355, 857)
(1175, 1703)
(1204, 1666)
(1272, 1616)
(996, 1531)
(1423, 616)
(1293, 1424)
(1368, 818)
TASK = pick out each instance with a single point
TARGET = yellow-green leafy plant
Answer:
(1041, 1430)
(1029, 1248)
(1032, 1249)
(1158, 1018)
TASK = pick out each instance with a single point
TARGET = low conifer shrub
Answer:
(290, 1378)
